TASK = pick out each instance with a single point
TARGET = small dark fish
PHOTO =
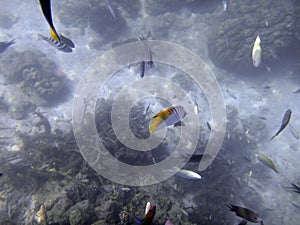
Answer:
(244, 222)
(285, 121)
(148, 52)
(246, 214)
(142, 69)
(148, 219)
(295, 188)
(59, 45)
(262, 117)
(179, 124)
(67, 41)
(267, 87)
(196, 158)
(1, 174)
(5, 45)
(294, 132)
(297, 91)
(208, 126)
(231, 95)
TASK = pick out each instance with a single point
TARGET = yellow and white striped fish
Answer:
(256, 52)
(57, 44)
(167, 117)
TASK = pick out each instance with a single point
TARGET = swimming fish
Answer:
(246, 214)
(294, 132)
(167, 117)
(4, 45)
(297, 91)
(111, 10)
(147, 208)
(295, 188)
(59, 45)
(148, 219)
(266, 161)
(208, 126)
(231, 95)
(188, 174)
(256, 52)
(46, 8)
(285, 120)
(142, 69)
(148, 53)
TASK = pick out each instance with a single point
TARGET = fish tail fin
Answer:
(54, 34)
(40, 36)
(152, 128)
(12, 42)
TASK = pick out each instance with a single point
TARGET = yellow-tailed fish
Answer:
(167, 117)
(256, 52)
(266, 161)
(46, 8)
(59, 45)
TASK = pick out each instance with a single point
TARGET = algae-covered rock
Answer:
(78, 213)
(37, 76)
(231, 43)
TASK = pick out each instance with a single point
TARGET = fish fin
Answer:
(155, 122)
(54, 35)
(67, 41)
(137, 220)
(41, 37)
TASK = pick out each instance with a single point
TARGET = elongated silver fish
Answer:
(285, 121)
(294, 132)
(188, 174)
(266, 161)
(58, 45)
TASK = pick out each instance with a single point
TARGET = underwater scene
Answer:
(162, 112)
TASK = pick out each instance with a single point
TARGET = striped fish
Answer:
(59, 45)
(167, 117)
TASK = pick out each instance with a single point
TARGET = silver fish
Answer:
(294, 132)
(188, 174)
(59, 45)
(231, 95)
(266, 161)
(285, 121)
(111, 10)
